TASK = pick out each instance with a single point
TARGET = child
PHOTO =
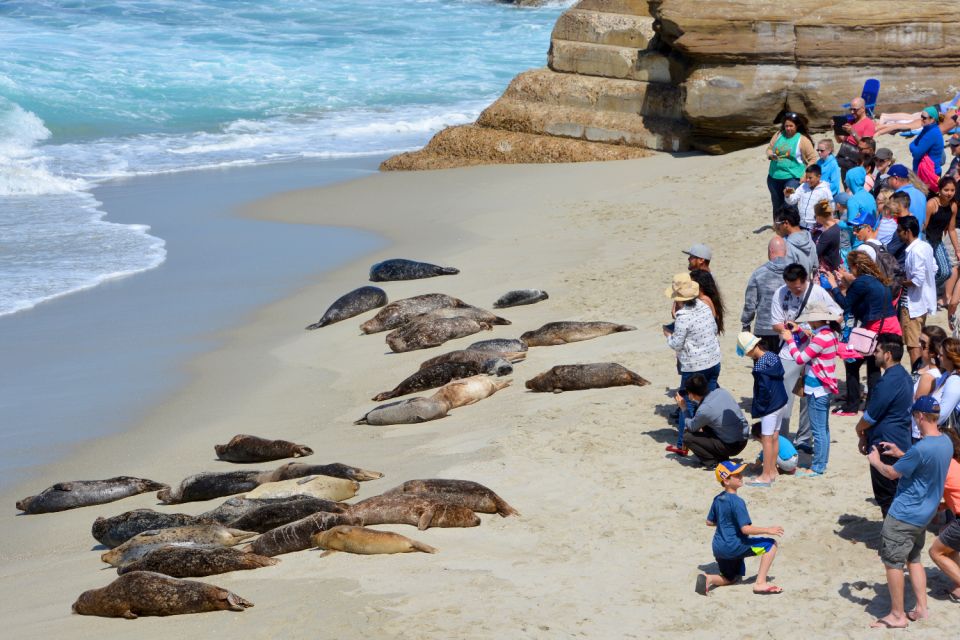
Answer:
(787, 455)
(731, 542)
(769, 400)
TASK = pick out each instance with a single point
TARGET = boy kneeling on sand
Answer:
(732, 542)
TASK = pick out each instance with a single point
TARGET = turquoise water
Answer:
(95, 90)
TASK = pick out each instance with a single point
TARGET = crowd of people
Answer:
(865, 252)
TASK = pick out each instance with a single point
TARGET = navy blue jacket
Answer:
(769, 394)
(866, 299)
(888, 409)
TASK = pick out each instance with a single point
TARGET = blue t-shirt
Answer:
(888, 409)
(923, 470)
(729, 513)
(787, 450)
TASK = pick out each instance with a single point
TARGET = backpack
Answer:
(890, 268)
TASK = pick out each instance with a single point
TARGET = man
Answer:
(861, 127)
(887, 417)
(761, 287)
(829, 169)
(895, 245)
(698, 257)
(866, 235)
(920, 269)
(900, 182)
(868, 150)
(787, 303)
(718, 430)
(920, 474)
(954, 170)
(884, 160)
(811, 191)
(800, 247)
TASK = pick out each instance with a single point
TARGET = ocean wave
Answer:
(23, 168)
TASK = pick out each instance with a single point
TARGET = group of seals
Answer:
(352, 304)
(84, 493)
(573, 377)
(401, 269)
(245, 448)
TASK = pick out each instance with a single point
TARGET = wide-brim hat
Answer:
(746, 341)
(818, 311)
(682, 288)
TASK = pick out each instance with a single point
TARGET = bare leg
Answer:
(897, 618)
(886, 118)
(947, 559)
(713, 581)
(766, 560)
(918, 580)
(771, 448)
(893, 127)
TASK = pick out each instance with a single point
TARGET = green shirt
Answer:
(788, 163)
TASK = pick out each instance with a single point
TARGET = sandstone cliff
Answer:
(627, 75)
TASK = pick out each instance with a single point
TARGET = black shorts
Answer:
(950, 535)
(732, 569)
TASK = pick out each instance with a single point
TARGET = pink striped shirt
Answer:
(820, 356)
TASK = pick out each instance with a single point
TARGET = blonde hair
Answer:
(884, 196)
(823, 209)
(893, 208)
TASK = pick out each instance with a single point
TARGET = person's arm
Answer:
(675, 340)
(878, 405)
(952, 229)
(915, 270)
(810, 352)
(751, 300)
(931, 209)
(949, 399)
(711, 524)
(777, 315)
(807, 152)
(924, 385)
(752, 530)
(885, 470)
(771, 152)
(794, 197)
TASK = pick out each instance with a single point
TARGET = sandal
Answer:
(677, 450)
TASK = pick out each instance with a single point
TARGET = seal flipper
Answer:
(129, 615)
(328, 552)
(419, 546)
(425, 519)
(236, 602)
(447, 271)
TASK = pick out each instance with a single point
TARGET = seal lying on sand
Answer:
(277, 514)
(365, 541)
(210, 534)
(573, 377)
(418, 511)
(194, 562)
(468, 311)
(293, 470)
(440, 374)
(460, 393)
(144, 593)
(432, 332)
(401, 269)
(236, 509)
(352, 304)
(244, 448)
(400, 311)
(519, 297)
(323, 487)
(554, 333)
(499, 345)
(83, 493)
(473, 357)
(296, 535)
(114, 531)
(471, 495)
(412, 411)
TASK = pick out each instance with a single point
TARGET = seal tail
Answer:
(514, 356)
(447, 271)
(504, 509)
(386, 395)
(625, 327)
(499, 320)
(638, 380)
(419, 546)
(362, 420)
(317, 325)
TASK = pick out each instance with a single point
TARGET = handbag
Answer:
(863, 341)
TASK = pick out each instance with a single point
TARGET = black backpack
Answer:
(890, 268)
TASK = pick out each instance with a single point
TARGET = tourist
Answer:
(769, 401)
(698, 257)
(828, 237)
(790, 151)
(887, 228)
(829, 169)
(942, 218)
(710, 295)
(732, 541)
(787, 456)
(861, 204)
(927, 377)
(947, 391)
(920, 472)
(945, 550)
(761, 287)
(899, 206)
(819, 356)
(887, 417)
(718, 428)
(927, 148)
(954, 169)
(859, 126)
(868, 149)
(920, 268)
(883, 161)
(901, 181)
(866, 237)
(810, 192)
(800, 247)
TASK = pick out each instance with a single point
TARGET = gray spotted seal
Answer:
(400, 311)
(246, 448)
(206, 534)
(473, 357)
(499, 345)
(519, 297)
(296, 535)
(554, 333)
(440, 374)
(402, 269)
(468, 311)
(574, 377)
(293, 470)
(144, 593)
(353, 539)
(352, 304)
(411, 411)
(281, 512)
(84, 493)
(432, 332)
(196, 562)
(418, 511)
(114, 531)
(466, 493)
(460, 393)
(233, 509)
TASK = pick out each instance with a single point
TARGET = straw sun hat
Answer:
(818, 311)
(682, 288)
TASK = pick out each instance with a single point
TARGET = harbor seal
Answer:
(554, 333)
(573, 377)
(208, 485)
(352, 304)
(144, 593)
(432, 332)
(402, 269)
(114, 531)
(466, 493)
(460, 393)
(411, 411)
(207, 534)
(293, 470)
(520, 297)
(196, 562)
(400, 311)
(499, 345)
(276, 514)
(471, 356)
(362, 540)
(296, 535)
(245, 448)
(418, 511)
(234, 509)
(468, 311)
(84, 493)
(440, 374)
(324, 487)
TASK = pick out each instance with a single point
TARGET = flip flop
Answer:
(807, 473)
(701, 587)
(879, 623)
(766, 485)
(771, 590)
(952, 597)
(913, 617)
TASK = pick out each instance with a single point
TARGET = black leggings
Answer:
(851, 401)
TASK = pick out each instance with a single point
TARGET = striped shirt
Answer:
(820, 355)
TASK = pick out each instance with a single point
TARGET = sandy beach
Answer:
(612, 533)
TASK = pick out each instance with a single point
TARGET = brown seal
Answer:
(466, 493)
(440, 374)
(293, 470)
(574, 377)
(206, 534)
(432, 332)
(460, 393)
(296, 535)
(277, 514)
(114, 531)
(399, 312)
(245, 448)
(473, 356)
(236, 509)
(144, 593)
(554, 333)
(366, 541)
(84, 493)
(420, 512)
(468, 311)
(196, 562)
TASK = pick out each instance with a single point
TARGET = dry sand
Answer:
(612, 531)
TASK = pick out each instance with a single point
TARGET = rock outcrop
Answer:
(627, 75)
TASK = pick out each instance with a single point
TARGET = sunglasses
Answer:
(821, 150)
(925, 117)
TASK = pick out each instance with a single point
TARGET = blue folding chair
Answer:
(870, 93)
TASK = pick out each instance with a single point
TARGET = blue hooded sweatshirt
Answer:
(928, 143)
(830, 173)
(861, 207)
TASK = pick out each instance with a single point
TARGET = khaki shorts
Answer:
(900, 543)
(912, 328)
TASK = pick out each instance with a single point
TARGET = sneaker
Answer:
(840, 411)
(677, 450)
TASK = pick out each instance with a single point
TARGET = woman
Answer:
(828, 238)
(710, 295)
(927, 148)
(942, 217)
(888, 222)
(790, 152)
(928, 373)
(864, 293)
(947, 392)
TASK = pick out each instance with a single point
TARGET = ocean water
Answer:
(95, 90)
